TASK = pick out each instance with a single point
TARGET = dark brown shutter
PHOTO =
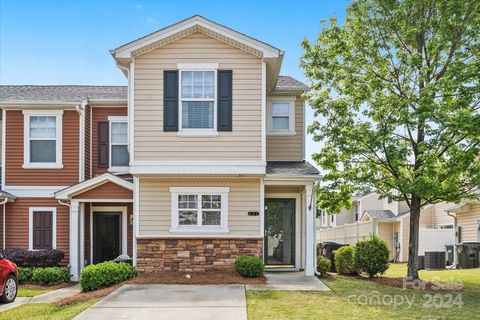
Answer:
(170, 100)
(224, 107)
(42, 230)
(103, 144)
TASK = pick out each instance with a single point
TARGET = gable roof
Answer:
(289, 84)
(89, 184)
(383, 215)
(190, 25)
(291, 168)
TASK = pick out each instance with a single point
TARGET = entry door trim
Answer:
(298, 223)
(124, 237)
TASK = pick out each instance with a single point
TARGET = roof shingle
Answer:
(291, 168)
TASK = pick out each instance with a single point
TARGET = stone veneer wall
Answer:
(193, 255)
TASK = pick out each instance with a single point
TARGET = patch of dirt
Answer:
(168, 278)
(27, 285)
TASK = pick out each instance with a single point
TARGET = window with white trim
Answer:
(281, 116)
(42, 139)
(197, 95)
(119, 156)
(199, 209)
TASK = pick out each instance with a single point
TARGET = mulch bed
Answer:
(168, 278)
(27, 285)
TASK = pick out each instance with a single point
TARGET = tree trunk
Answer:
(412, 271)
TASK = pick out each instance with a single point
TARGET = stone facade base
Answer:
(193, 255)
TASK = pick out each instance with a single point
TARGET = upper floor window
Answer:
(119, 156)
(42, 139)
(197, 92)
(281, 116)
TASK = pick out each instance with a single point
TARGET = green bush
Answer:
(345, 260)
(323, 264)
(24, 274)
(105, 274)
(50, 276)
(372, 256)
(249, 266)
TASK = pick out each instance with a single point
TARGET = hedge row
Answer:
(48, 276)
(39, 258)
(105, 274)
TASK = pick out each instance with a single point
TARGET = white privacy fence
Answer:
(348, 233)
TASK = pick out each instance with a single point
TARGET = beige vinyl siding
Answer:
(243, 143)
(440, 214)
(385, 232)
(155, 204)
(406, 235)
(469, 223)
(1, 136)
(288, 147)
(427, 216)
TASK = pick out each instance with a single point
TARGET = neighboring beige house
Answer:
(199, 160)
(441, 224)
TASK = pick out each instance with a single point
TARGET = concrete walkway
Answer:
(290, 281)
(49, 297)
(159, 301)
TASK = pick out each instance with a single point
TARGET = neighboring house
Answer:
(198, 160)
(349, 215)
(441, 224)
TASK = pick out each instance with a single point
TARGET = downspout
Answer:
(81, 152)
(314, 192)
(455, 258)
(3, 203)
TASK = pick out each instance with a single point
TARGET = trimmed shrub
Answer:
(372, 256)
(249, 267)
(38, 258)
(323, 264)
(105, 274)
(345, 260)
(50, 276)
(25, 274)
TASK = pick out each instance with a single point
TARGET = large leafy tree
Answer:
(396, 94)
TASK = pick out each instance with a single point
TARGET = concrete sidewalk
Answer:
(56, 295)
(290, 281)
(186, 302)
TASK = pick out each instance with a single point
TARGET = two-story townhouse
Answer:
(198, 160)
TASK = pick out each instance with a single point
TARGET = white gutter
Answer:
(455, 258)
(81, 152)
(3, 224)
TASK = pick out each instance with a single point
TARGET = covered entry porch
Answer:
(289, 216)
(101, 220)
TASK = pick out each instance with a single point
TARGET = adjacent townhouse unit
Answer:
(199, 159)
(441, 224)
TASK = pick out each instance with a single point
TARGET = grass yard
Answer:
(347, 300)
(25, 291)
(46, 311)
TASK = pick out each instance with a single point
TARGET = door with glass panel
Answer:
(279, 239)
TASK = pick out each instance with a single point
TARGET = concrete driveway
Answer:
(159, 301)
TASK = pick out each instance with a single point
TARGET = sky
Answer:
(68, 42)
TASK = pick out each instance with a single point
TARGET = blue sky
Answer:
(68, 42)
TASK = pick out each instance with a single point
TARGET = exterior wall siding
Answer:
(193, 255)
(243, 143)
(101, 114)
(468, 222)
(16, 175)
(385, 231)
(440, 214)
(155, 204)
(87, 143)
(17, 223)
(289, 147)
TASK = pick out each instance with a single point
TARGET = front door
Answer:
(279, 232)
(106, 236)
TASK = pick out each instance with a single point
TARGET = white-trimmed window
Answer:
(324, 220)
(42, 139)
(199, 209)
(333, 220)
(198, 87)
(281, 116)
(42, 228)
(119, 156)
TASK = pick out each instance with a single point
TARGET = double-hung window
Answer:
(119, 156)
(198, 104)
(281, 116)
(199, 209)
(42, 139)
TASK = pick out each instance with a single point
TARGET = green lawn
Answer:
(25, 291)
(45, 311)
(336, 304)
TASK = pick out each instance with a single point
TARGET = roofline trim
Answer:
(125, 51)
